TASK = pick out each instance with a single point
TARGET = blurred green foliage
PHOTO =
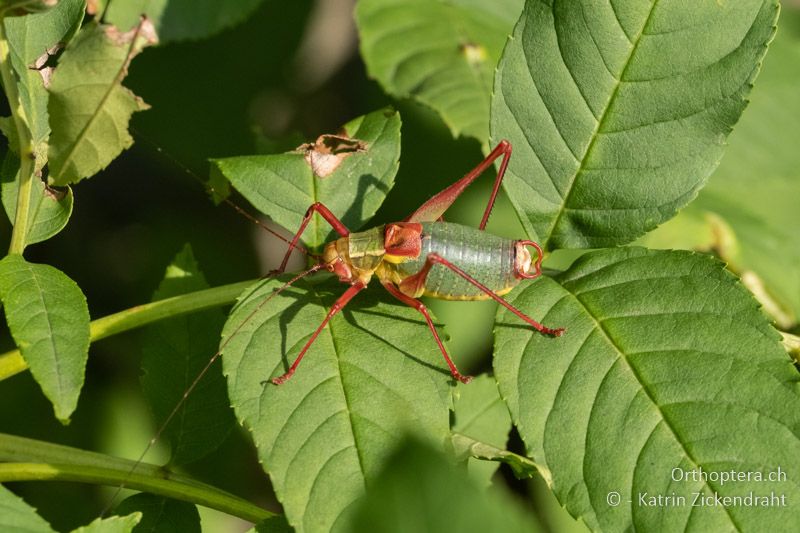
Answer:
(247, 90)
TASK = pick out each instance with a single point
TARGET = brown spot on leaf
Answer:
(326, 154)
(56, 193)
(144, 30)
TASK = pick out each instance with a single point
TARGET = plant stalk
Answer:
(12, 363)
(33, 460)
(27, 159)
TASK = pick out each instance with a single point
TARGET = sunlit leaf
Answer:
(114, 524)
(89, 108)
(31, 39)
(50, 209)
(49, 320)
(373, 374)
(283, 186)
(756, 188)
(479, 413)
(618, 112)
(16, 515)
(175, 351)
(667, 363)
(441, 53)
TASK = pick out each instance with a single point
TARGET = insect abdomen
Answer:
(486, 257)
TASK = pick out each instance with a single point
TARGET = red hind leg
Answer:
(419, 306)
(325, 213)
(414, 284)
(335, 308)
(434, 208)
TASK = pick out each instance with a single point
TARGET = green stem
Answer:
(26, 157)
(12, 362)
(32, 460)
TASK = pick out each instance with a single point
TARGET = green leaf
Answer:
(16, 515)
(419, 490)
(284, 186)
(618, 113)
(175, 351)
(114, 524)
(440, 53)
(50, 209)
(481, 415)
(14, 8)
(180, 20)
(667, 363)
(373, 374)
(160, 514)
(49, 320)
(756, 187)
(30, 39)
(467, 446)
(89, 108)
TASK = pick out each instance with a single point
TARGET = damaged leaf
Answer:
(181, 20)
(32, 40)
(327, 153)
(49, 209)
(284, 185)
(89, 108)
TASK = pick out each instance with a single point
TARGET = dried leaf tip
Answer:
(144, 30)
(326, 154)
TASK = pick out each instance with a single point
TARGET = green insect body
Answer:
(488, 258)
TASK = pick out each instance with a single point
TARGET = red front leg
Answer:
(419, 306)
(415, 283)
(434, 208)
(329, 217)
(335, 308)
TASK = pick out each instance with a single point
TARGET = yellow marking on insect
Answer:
(397, 259)
(463, 298)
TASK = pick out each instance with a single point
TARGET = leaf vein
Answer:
(598, 128)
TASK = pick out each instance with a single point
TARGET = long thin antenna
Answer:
(202, 373)
(219, 195)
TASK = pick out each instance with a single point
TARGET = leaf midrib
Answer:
(51, 335)
(599, 326)
(117, 81)
(351, 425)
(600, 122)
